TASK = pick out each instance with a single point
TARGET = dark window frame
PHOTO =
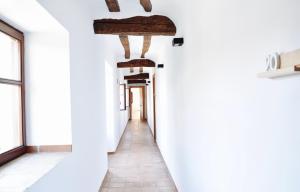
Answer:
(18, 35)
(124, 87)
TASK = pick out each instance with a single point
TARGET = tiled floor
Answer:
(137, 165)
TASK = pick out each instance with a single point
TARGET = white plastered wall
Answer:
(219, 127)
(116, 119)
(85, 168)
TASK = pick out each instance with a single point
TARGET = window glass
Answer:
(10, 117)
(9, 57)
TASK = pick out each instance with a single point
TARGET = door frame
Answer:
(143, 88)
(154, 106)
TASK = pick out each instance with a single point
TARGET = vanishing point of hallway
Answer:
(137, 165)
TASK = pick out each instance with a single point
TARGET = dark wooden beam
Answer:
(146, 46)
(113, 5)
(125, 42)
(297, 67)
(147, 5)
(136, 81)
(136, 63)
(137, 26)
(138, 76)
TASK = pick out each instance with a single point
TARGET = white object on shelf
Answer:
(273, 62)
(285, 64)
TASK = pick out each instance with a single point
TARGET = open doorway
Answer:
(137, 103)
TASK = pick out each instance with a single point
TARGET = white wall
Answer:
(116, 119)
(85, 168)
(220, 128)
(48, 103)
(124, 114)
(112, 106)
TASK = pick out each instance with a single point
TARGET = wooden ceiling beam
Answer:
(113, 5)
(136, 81)
(136, 63)
(146, 46)
(138, 26)
(125, 42)
(141, 76)
(147, 5)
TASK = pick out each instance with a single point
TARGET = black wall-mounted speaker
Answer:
(177, 42)
(160, 66)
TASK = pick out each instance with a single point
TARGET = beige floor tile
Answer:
(137, 165)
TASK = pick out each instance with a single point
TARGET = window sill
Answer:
(24, 171)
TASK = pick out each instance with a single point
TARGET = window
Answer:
(12, 129)
(127, 98)
(123, 97)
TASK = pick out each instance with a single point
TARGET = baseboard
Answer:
(49, 148)
(103, 181)
(113, 152)
(163, 158)
(151, 131)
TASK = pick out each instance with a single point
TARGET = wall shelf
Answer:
(287, 71)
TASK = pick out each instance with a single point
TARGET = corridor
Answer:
(137, 165)
(149, 96)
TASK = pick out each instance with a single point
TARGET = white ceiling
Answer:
(28, 16)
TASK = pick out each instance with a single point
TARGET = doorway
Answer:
(137, 103)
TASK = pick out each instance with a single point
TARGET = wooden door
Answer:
(141, 90)
(154, 106)
(143, 103)
(143, 108)
(130, 103)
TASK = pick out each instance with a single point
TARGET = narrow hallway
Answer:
(137, 165)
